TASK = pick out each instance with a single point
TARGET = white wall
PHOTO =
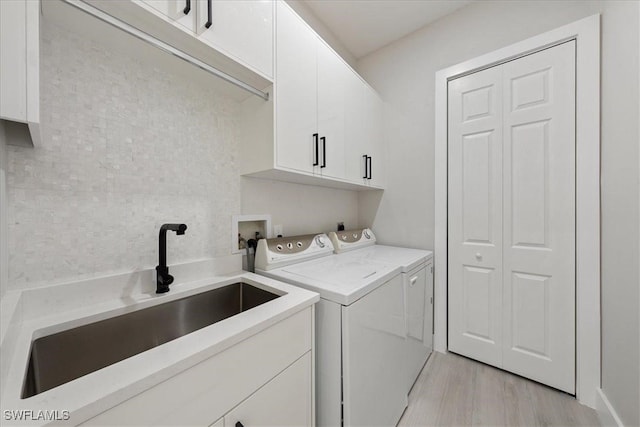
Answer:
(403, 73)
(300, 209)
(133, 138)
(126, 147)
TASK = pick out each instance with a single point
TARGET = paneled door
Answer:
(512, 216)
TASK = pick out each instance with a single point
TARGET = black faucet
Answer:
(164, 279)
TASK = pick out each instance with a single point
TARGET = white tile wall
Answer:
(126, 147)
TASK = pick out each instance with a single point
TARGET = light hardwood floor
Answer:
(455, 391)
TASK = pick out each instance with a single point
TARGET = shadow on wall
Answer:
(368, 204)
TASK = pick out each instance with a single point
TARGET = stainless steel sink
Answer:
(62, 357)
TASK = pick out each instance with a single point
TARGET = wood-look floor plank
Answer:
(455, 391)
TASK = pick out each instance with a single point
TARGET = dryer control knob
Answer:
(319, 241)
(366, 234)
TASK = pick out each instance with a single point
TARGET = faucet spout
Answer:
(163, 278)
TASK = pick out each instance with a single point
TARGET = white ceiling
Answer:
(364, 26)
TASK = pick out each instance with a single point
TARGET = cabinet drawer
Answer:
(286, 400)
(208, 390)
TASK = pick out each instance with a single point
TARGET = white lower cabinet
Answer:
(266, 379)
(283, 401)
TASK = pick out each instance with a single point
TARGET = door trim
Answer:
(586, 32)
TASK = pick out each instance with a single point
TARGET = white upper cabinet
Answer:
(180, 12)
(333, 78)
(20, 62)
(243, 29)
(296, 93)
(356, 147)
(364, 143)
(233, 36)
(327, 119)
(374, 138)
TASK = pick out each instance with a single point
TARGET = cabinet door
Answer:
(333, 77)
(296, 92)
(242, 29)
(19, 56)
(354, 142)
(374, 139)
(286, 400)
(182, 12)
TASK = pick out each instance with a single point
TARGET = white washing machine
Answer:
(360, 328)
(417, 274)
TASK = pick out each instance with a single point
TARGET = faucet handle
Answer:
(163, 279)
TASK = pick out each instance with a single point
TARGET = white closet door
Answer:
(512, 216)
(475, 216)
(539, 216)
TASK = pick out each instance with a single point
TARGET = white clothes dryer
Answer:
(360, 328)
(417, 276)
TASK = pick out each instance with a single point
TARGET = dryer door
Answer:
(374, 357)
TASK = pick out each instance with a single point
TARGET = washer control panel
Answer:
(352, 239)
(281, 251)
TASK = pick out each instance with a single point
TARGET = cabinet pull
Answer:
(366, 174)
(187, 7)
(369, 162)
(209, 21)
(315, 144)
(413, 281)
(239, 424)
(324, 152)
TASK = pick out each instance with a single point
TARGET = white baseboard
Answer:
(606, 412)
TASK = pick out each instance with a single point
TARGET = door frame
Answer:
(586, 32)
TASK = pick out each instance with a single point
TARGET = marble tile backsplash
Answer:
(125, 147)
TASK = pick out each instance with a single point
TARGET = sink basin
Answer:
(62, 357)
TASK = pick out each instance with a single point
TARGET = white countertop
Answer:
(94, 393)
